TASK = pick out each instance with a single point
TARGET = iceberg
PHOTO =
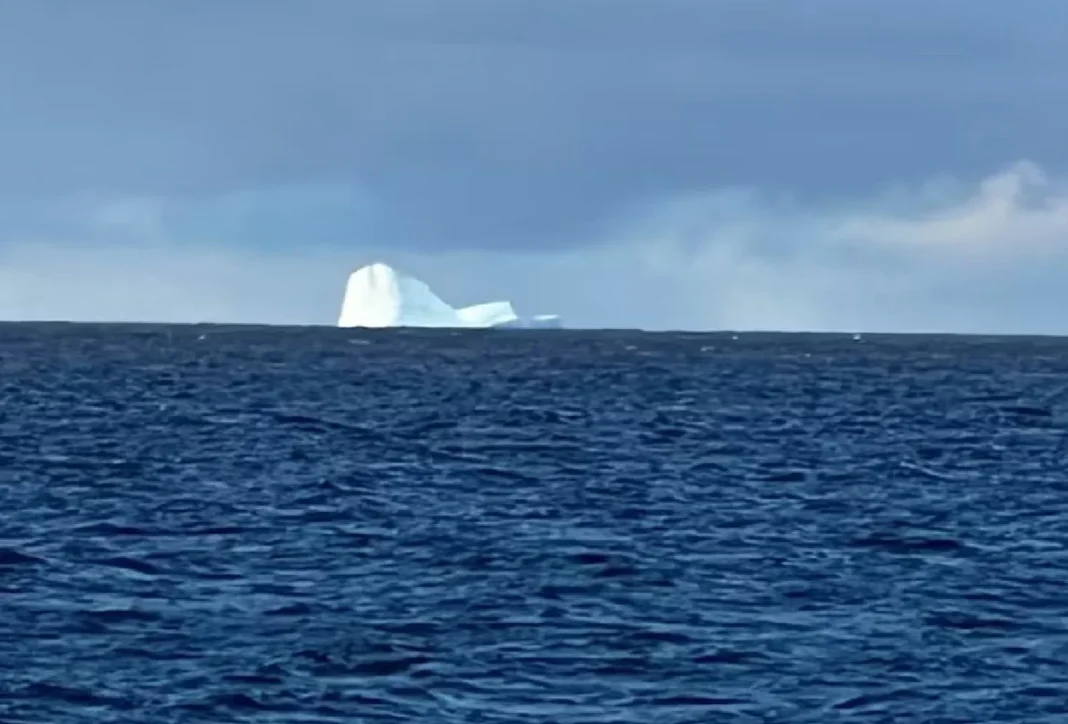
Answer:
(379, 296)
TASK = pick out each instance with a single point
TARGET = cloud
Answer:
(989, 255)
(490, 125)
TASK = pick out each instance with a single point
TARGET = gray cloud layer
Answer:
(773, 155)
(507, 123)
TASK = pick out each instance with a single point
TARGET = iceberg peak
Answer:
(377, 295)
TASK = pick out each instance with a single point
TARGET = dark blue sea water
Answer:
(204, 524)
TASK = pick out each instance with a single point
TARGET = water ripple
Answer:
(204, 524)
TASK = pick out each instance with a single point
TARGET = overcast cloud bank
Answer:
(825, 164)
(986, 256)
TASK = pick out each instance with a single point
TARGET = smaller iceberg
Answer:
(379, 296)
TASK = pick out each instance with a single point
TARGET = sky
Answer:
(663, 164)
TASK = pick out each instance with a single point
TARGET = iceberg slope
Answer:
(379, 296)
(488, 314)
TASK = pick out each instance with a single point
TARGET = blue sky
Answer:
(775, 164)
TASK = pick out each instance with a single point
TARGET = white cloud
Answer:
(949, 256)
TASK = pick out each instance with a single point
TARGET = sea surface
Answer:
(226, 524)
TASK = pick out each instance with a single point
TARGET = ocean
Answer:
(242, 524)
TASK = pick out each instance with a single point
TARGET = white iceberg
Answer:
(379, 296)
